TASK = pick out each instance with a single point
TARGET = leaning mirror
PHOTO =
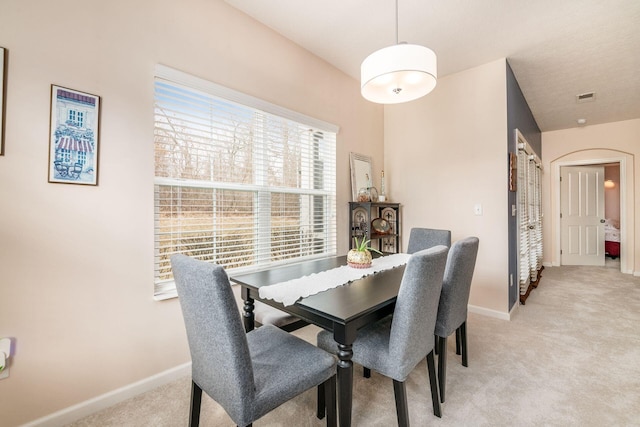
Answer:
(360, 173)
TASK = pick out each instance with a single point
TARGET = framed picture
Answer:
(74, 136)
(361, 177)
(3, 77)
(513, 172)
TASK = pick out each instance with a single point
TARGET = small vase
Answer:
(359, 259)
(364, 195)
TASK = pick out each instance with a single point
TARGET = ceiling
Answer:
(557, 48)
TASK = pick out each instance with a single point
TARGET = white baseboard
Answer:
(489, 313)
(91, 406)
(557, 264)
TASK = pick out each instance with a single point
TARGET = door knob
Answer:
(602, 221)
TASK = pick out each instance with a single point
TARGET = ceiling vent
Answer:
(586, 97)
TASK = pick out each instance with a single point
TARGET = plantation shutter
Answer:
(536, 218)
(238, 181)
(530, 215)
(524, 264)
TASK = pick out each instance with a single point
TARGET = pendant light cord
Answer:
(396, 21)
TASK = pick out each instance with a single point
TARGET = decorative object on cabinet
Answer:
(381, 226)
(378, 222)
(73, 139)
(3, 74)
(360, 174)
(373, 194)
(383, 191)
(363, 195)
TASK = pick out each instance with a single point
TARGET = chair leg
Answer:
(321, 402)
(330, 399)
(366, 373)
(433, 382)
(196, 400)
(442, 365)
(458, 338)
(463, 343)
(435, 344)
(402, 410)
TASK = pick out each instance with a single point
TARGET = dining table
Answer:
(342, 310)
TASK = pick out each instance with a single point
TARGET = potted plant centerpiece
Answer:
(359, 256)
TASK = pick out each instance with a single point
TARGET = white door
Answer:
(582, 215)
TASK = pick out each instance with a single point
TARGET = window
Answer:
(76, 118)
(238, 181)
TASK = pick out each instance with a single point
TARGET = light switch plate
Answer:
(5, 351)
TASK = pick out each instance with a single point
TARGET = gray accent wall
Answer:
(519, 117)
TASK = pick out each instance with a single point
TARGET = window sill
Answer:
(165, 291)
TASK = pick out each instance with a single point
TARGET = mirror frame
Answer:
(3, 108)
(360, 173)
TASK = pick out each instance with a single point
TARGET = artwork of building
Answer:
(74, 134)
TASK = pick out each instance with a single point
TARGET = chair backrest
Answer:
(414, 317)
(454, 298)
(424, 238)
(221, 363)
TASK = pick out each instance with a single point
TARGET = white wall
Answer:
(447, 152)
(612, 195)
(77, 261)
(606, 143)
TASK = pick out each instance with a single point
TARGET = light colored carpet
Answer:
(569, 357)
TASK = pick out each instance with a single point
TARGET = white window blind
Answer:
(530, 215)
(524, 262)
(535, 218)
(238, 181)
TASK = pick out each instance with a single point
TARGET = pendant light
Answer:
(398, 73)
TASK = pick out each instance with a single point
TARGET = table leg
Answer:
(345, 383)
(248, 317)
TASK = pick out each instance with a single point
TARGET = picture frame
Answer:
(3, 84)
(74, 136)
(513, 172)
(360, 173)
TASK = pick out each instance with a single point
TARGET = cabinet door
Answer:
(360, 220)
(390, 244)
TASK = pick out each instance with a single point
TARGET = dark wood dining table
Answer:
(342, 310)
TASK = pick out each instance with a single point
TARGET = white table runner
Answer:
(290, 291)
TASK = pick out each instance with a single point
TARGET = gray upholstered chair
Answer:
(396, 344)
(247, 374)
(423, 238)
(419, 239)
(452, 309)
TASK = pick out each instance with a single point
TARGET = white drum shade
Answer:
(398, 73)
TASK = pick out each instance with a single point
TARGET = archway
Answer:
(595, 157)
